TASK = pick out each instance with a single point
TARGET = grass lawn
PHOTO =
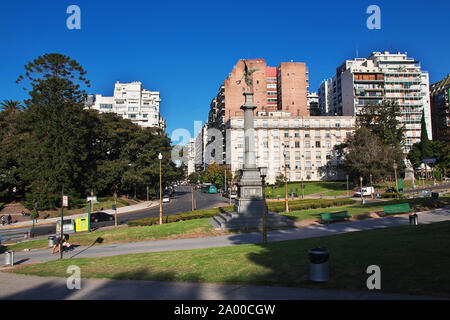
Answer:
(181, 229)
(310, 188)
(412, 259)
(417, 204)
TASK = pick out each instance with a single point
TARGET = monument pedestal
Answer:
(248, 207)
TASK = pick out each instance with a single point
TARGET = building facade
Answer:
(304, 144)
(382, 76)
(440, 108)
(283, 88)
(131, 101)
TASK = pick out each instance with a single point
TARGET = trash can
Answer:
(51, 241)
(9, 258)
(319, 268)
(413, 219)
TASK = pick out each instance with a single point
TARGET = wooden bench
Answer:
(397, 208)
(334, 216)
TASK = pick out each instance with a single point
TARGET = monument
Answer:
(248, 206)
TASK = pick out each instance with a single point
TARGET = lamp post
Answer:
(347, 183)
(263, 173)
(361, 191)
(160, 189)
(285, 183)
(395, 172)
(371, 186)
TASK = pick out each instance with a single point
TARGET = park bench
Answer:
(397, 208)
(334, 216)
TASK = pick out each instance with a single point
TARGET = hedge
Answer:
(309, 204)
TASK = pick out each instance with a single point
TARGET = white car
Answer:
(165, 199)
(366, 191)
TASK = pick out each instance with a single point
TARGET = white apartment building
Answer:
(191, 156)
(382, 76)
(305, 143)
(132, 102)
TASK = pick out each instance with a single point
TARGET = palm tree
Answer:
(11, 106)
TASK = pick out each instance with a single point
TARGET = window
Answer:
(296, 123)
(144, 115)
(297, 155)
(307, 135)
(287, 155)
(307, 144)
(317, 123)
(338, 134)
(133, 108)
(297, 134)
(337, 124)
(265, 125)
(105, 106)
(286, 134)
(275, 124)
(317, 134)
(297, 144)
(306, 123)
(297, 165)
(308, 155)
(327, 123)
(318, 155)
(317, 144)
(327, 134)
(286, 123)
(308, 165)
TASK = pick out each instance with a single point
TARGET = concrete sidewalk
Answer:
(20, 287)
(125, 209)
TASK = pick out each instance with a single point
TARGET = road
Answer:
(180, 202)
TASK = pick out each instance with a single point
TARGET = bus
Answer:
(209, 189)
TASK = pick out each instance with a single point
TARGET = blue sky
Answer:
(186, 49)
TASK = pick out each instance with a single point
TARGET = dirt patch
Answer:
(306, 223)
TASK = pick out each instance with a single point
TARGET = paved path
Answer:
(20, 287)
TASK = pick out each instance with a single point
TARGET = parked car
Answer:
(101, 216)
(166, 198)
(391, 190)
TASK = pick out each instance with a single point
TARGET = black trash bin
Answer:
(319, 268)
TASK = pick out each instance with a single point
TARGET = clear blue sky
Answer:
(185, 49)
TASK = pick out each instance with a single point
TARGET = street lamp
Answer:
(347, 183)
(371, 186)
(160, 189)
(361, 191)
(285, 182)
(263, 173)
(395, 172)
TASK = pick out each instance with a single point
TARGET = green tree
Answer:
(367, 155)
(61, 135)
(382, 120)
(215, 174)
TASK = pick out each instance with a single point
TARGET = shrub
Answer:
(309, 204)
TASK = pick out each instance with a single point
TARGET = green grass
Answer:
(191, 228)
(102, 205)
(310, 188)
(410, 260)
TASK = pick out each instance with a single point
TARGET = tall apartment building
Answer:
(132, 102)
(282, 88)
(390, 76)
(440, 108)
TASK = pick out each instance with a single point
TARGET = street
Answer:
(180, 202)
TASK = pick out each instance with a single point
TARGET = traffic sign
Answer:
(65, 201)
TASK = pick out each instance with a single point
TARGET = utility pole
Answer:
(115, 208)
(192, 192)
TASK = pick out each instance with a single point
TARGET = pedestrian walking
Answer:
(3, 220)
(9, 219)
